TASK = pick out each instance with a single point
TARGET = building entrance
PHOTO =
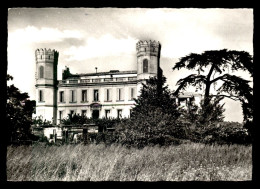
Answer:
(95, 114)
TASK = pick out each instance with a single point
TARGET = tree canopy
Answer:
(153, 117)
(19, 111)
(155, 95)
(219, 63)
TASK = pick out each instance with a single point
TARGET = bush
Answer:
(222, 133)
(152, 128)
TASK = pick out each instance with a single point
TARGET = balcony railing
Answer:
(117, 79)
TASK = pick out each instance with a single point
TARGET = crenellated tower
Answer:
(148, 61)
(46, 83)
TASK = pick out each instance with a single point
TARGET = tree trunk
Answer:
(208, 83)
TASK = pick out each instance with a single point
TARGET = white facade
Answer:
(112, 92)
(98, 95)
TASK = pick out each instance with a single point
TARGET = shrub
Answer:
(152, 128)
(222, 133)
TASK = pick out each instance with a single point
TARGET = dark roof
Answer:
(111, 72)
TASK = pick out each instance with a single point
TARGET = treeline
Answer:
(157, 120)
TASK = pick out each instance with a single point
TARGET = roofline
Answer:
(104, 73)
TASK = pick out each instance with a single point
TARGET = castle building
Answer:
(96, 95)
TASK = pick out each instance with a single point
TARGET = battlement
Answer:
(148, 46)
(46, 55)
(143, 43)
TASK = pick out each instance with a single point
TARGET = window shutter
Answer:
(75, 96)
(110, 94)
(122, 94)
(129, 93)
(105, 94)
(70, 95)
(117, 94)
(134, 92)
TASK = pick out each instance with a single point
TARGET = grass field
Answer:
(185, 162)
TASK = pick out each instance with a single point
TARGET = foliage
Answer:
(38, 121)
(76, 119)
(103, 123)
(19, 111)
(66, 73)
(219, 62)
(212, 112)
(152, 119)
(227, 133)
(155, 94)
(212, 129)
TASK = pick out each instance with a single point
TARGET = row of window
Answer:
(84, 113)
(75, 81)
(84, 95)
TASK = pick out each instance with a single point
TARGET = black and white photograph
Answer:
(129, 94)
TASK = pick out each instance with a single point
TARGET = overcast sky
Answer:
(106, 38)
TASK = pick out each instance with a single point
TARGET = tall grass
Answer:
(186, 162)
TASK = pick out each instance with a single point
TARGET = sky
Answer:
(106, 38)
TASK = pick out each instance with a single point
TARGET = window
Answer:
(182, 102)
(85, 81)
(131, 93)
(119, 113)
(108, 79)
(83, 112)
(61, 96)
(120, 94)
(41, 95)
(96, 95)
(120, 79)
(60, 115)
(72, 96)
(41, 72)
(131, 111)
(145, 66)
(107, 95)
(49, 57)
(84, 95)
(131, 78)
(96, 80)
(107, 113)
(73, 81)
(71, 112)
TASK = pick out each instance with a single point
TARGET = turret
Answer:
(148, 61)
(46, 83)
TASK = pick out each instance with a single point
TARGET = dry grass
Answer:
(186, 162)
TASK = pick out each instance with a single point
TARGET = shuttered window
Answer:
(120, 94)
(131, 93)
(83, 112)
(84, 96)
(119, 113)
(96, 95)
(107, 94)
(107, 113)
(73, 96)
(61, 96)
(41, 97)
